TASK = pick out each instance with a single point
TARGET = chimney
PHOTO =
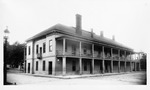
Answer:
(91, 32)
(78, 24)
(113, 38)
(101, 34)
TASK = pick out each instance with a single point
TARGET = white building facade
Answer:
(63, 50)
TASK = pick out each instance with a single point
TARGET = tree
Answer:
(16, 54)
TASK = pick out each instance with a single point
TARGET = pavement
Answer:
(128, 78)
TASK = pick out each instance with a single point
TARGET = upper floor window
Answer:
(50, 45)
(85, 50)
(29, 50)
(73, 49)
(44, 47)
(37, 48)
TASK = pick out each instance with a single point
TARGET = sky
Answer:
(128, 20)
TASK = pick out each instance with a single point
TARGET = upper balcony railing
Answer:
(86, 54)
(68, 53)
(89, 54)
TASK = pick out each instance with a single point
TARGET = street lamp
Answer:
(6, 33)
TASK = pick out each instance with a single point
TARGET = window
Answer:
(50, 45)
(85, 50)
(85, 66)
(43, 65)
(73, 65)
(29, 50)
(44, 47)
(37, 48)
(73, 49)
(36, 65)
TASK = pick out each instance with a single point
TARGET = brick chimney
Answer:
(92, 32)
(101, 34)
(78, 24)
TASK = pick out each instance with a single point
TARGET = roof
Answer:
(72, 31)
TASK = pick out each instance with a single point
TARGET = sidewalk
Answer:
(78, 76)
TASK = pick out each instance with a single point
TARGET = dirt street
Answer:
(134, 78)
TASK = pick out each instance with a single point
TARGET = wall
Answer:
(69, 66)
(122, 67)
(40, 65)
(88, 66)
(97, 66)
(115, 66)
(128, 67)
(27, 51)
(29, 61)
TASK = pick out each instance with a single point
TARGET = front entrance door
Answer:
(50, 68)
(28, 67)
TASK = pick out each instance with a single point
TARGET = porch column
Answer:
(139, 66)
(92, 58)
(125, 63)
(64, 65)
(111, 60)
(103, 64)
(64, 58)
(32, 57)
(80, 59)
(119, 61)
(130, 63)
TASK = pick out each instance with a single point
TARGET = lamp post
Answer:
(6, 33)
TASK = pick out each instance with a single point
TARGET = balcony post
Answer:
(103, 63)
(64, 58)
(111, 60)
(119, 61)
(130, 63)
(92, 58)
(32, 57)
(80, 59)
(125, 63)
(64, 46)
(64, 65)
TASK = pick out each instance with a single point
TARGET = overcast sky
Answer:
(128, 20)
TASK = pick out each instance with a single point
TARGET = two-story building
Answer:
(63, 50)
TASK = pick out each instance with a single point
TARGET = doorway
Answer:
(28, 67)
(50, 67)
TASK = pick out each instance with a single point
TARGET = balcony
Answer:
(115, 57)
(122, 58)
(86, 54)
(39, 56)
(68, 53)
(107, 56)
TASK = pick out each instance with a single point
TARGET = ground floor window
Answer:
(43, 65)
(36, 65)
